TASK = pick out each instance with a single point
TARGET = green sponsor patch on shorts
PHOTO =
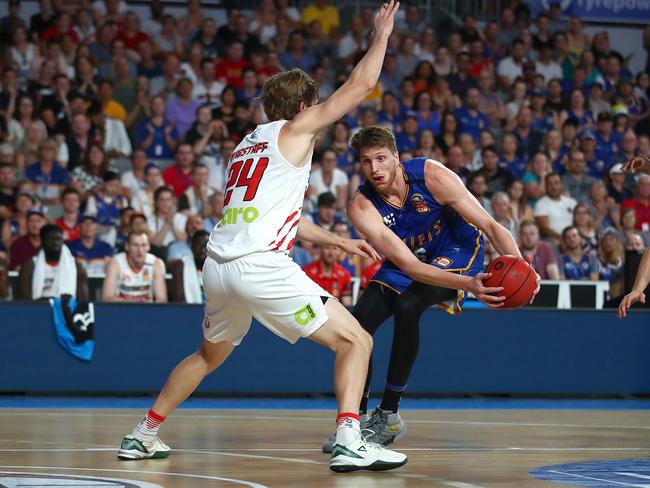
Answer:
(305, 315)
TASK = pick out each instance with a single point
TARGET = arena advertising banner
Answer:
(629, 11)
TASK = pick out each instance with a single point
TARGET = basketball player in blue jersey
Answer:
(421, 217)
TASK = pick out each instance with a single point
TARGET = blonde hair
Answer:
(282, 94)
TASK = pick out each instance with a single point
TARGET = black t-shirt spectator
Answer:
(460, 86)
(499, 182)
(527, 147)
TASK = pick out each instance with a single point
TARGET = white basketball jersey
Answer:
(263, 198)
(132, 283)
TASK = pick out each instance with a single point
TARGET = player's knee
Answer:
(407, 308)
(362, 338)
(211, 357)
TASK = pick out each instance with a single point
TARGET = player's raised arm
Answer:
(368, 221)
(359, 85)
(638, 164)
(448, 189)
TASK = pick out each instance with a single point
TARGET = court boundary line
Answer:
(587, 478)
(250, 484)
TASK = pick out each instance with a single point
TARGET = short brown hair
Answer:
(282, 94)
(374, 136)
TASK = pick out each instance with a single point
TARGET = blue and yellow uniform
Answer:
(435, 233)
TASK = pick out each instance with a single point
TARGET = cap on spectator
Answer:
(619, 109)
(587, 134)
(36, 211)
(84, 217)
(136, 215)
(616, 169)
(610, 231)
(605, 117)
(411, 114)
(326, 199)
(538, 92)
(151, 166)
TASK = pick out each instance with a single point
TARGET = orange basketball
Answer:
(517, 278)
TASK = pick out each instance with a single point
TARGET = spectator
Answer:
(329, 178)
(325, 215)
(545, 65)
(470, 120)
(533, 179)
(330, 275)
(110, 107)
(595, 166)
(611, 257)
(158, 135)
(47, 175)
(628, 146)
(179, 176)
(27, 246)
(520, 209)
(241, 124)
(78, 141)
(92, 253)
(61, 27)
(543, 120)
(553, 212)
(195, 200)
(407, 139)
(187, 277)
(143, 201)
(556, 152)
(53, 271)
(454, 161)
(575, 264)
(22, 110)
(216, 211)
(166, 224)
(15, 225)
(243, 34)
(477, 186)
(628, 226)
(169, 40)
(529, 141)
(641, 204)
(207, 90)
(165, 84)
(68, 222)
(7, 190)
(295, 56)
(490, 103)
(426, 147)
(501, 211)
(461, 81)
(576, 181)
(226, 111)
(149, 66)
(583, 221)
(111, 133)
(538, 253)
(211, 146)
(181, 109)
(106, 204)
(391, 78)
(496, 177)
(179, 249)
(604, 209)
(352, 46)
(90, 174)
(606, 144)
(206, 37)
(510, 68)
(327, 15)
(562, 55)
(133, 180)
(135, 275)
(229, 70)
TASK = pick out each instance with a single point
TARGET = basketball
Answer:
(517, 278)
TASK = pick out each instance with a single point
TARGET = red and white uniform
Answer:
(135, 284)
(248, 271)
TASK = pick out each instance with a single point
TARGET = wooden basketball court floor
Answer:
(281, 448)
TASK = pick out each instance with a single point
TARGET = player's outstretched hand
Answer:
(629, 300)
(360, 248)
(538, 279)
(483, 294)
(385, 19)
(638, 164)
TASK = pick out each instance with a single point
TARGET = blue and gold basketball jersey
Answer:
(435, 233)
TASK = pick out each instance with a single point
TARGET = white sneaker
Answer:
(132, 449)
(361, 454)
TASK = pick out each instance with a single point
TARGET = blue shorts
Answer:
(453, 258)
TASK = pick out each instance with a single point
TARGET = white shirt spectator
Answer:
(156, 223)
(510, 69)
(548, 71)
(131, 183)
(559, 212)
(116, 138)
(349, 45)
(209, 96)
(338, 179)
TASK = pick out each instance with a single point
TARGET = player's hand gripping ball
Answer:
(516, 276)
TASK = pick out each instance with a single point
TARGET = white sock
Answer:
(147, 428)
(348, 429)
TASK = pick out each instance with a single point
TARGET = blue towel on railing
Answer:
(74, 323)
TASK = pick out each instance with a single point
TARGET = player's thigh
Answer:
(226, 317)
(341, 328)
(374, 306)
(422, 296)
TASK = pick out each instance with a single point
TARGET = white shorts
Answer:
(269, 286)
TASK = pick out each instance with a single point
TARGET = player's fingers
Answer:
(495, 305)
(491, 290)
(493, 299)
(642, 298)
(483, 276)
(370, 251)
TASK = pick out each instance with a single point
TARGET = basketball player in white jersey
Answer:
(249, 273)
(135, 275)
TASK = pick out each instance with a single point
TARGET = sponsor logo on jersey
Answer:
(237, 215)
(305, 315)
(418, 202)
(389, 220)
(442, 261)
